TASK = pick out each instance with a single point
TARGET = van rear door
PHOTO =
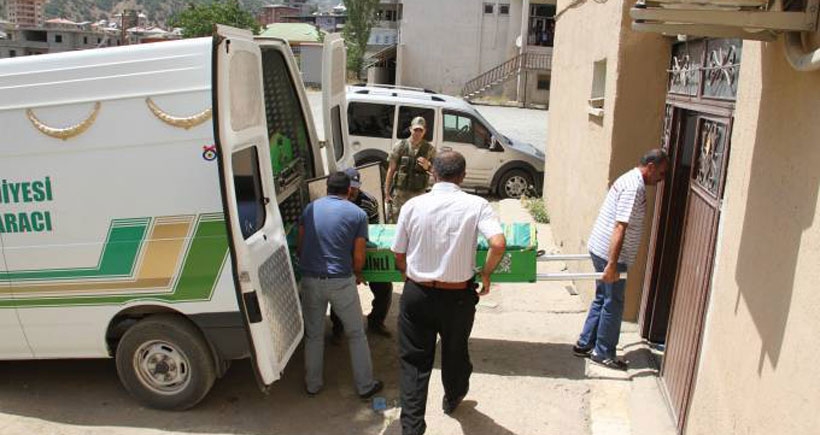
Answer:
(334, 104)
(263, 275)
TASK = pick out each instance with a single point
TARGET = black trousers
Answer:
(382, 298)
(424, 313)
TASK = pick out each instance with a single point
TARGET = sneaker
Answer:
(379, 329)
(581, 352)
(449, 406)
(612, 363)
(377, 386)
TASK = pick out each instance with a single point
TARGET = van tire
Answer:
(514, 183)
(165, 345)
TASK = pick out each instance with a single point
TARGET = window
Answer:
(541, 26)
(336, 127)
(406, 115)
(463, 128)
(489, 8)
(598, 92)
(100, 40)
(372, 120)
(504, 9)
(250, 198)
(58, 38)
(543, 82)
(12, 53)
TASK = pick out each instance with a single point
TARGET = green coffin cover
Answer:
(518, 264)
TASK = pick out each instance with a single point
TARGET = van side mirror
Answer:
(495, 145)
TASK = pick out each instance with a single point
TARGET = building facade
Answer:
(276, 14)
(726, 277)
(56, 36)
(502, 47)
(29, 13)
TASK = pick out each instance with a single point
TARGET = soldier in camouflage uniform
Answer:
(407, 175)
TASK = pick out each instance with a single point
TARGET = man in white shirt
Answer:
(435, 247)
(613, 245)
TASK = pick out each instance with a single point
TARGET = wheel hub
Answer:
(516, 186)
(162, 367)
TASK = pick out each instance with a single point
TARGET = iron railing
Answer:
(506, 71)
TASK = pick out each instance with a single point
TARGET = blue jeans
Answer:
(603, 325)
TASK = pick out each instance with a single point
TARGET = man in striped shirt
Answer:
(435, 247)
(614, 245)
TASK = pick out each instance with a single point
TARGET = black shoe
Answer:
(379, 329)
(612, 363)
(449, 406)
(581, 352)
(372, 392)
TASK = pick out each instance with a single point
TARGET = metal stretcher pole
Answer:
(568, 276)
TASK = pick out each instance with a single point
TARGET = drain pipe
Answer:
(798, 57)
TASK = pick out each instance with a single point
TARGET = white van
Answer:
(379, 116)
(145, 196)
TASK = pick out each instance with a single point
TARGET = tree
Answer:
(361, 14)
(199, 20)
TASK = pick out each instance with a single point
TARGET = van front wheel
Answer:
(514, 183)
(165, 363)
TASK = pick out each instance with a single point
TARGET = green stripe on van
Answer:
(204, 261)
(118, 258)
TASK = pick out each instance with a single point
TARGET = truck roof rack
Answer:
(398, 87)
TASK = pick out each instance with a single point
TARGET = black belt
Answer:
(327, 276)
(442, 285)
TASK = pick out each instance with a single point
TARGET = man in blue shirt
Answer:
(382, 291)
(332, 239)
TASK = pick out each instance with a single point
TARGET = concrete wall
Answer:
(587, 153)
(445, 44)
(758, 370)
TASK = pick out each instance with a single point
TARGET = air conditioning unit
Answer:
(746, 19)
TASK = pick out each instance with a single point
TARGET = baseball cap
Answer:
(418, 122)
(355, 177)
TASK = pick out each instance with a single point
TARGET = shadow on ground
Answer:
(87, 393)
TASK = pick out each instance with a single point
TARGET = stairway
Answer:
(505, 72)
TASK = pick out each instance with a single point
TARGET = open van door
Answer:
(263, 275)
(334, 104)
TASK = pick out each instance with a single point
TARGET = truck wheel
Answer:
(514, 183)
(165, 363)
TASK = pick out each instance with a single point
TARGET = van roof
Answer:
(410, 96)
(105, 74)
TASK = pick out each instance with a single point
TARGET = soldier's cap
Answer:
(355, 177)
(418, 122)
